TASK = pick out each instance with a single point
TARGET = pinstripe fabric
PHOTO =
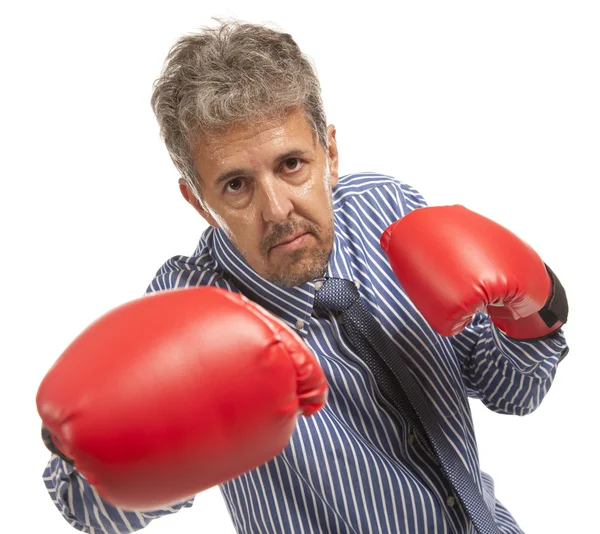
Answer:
(356, 466)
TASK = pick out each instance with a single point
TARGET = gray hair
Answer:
(235, 73)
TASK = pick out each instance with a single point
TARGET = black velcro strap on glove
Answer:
(556, 307)
(51, 446)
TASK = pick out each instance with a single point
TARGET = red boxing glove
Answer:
(453, 262)
(177, 392)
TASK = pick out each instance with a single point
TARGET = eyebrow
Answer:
(234, 173)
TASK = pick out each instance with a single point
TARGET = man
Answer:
(240, 111)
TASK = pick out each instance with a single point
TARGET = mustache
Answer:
(284, 230)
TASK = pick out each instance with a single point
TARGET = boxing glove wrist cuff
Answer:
(556, 307)
(51, 446)
(545, 321)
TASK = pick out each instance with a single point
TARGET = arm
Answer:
(82, 507)
(164, 406)
(477, 282)
(509, 376)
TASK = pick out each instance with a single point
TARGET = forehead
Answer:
(291, 130)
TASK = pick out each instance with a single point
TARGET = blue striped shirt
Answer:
(356, 466)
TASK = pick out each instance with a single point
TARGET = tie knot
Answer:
(336, 294)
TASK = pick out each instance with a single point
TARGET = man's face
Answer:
(268, 187)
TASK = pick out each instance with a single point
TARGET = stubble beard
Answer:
(304, 265)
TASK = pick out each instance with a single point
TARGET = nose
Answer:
(275, 199)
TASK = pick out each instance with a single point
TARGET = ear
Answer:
(332, 155)
(193, 201)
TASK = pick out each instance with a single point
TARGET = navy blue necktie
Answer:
(398, 384)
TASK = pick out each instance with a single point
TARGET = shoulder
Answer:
(198, 269)
(381, 191)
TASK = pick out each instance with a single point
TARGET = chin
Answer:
(298, 274)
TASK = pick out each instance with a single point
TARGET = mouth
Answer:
(292, 243)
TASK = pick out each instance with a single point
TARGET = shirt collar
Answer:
(294, 305)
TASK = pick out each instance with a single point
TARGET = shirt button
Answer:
(450, 501)
(318, 285)
(357, 282)
(411, 438)
(299, 324)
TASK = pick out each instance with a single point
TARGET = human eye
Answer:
(291, 165)
(234, 186)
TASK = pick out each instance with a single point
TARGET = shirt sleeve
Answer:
(84, 509)
(78, 501)
(509, 376)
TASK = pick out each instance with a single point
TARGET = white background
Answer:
(494, 105)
